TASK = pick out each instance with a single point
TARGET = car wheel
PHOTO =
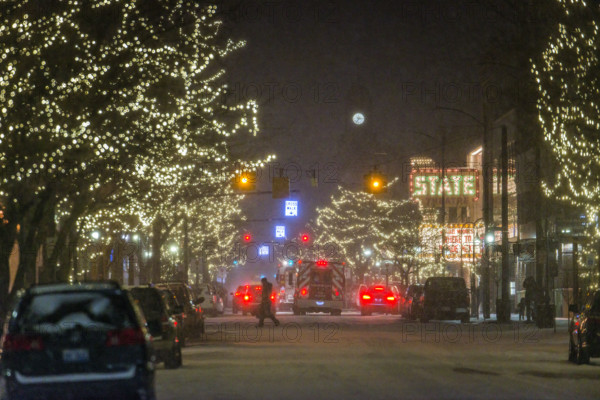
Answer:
(572, 351)
(582, 355)
(174, 359)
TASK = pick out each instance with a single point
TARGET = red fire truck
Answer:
(320, 287)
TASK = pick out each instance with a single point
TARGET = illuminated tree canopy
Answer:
(113, 114)
(568, 78)
(356, 221)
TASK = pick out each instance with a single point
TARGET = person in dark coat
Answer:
(265, 304)
(530, 287)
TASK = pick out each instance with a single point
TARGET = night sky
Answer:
(312, 64)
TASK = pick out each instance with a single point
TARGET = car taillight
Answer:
(237, 294)
(273, 297)
(247, 297)
(366, 297)
(304, 292)
(125, 337)
(391, 298)
(22, 343)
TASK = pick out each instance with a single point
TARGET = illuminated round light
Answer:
(173, 249)
(358, 118)
(96, 235)
(489, 238)
(244, 180)
(376, 183)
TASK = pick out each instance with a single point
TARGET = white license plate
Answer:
(76, 355)
(378, 300)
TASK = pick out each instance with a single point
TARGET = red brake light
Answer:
(321, 263)
(246, 297)
(391, 298)
(125, 337)
(378, 287)
(303, 292)
(22, 343)
(237, 294)
(273, 297)
(366, 296)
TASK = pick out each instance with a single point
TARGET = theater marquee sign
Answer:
(460, 186)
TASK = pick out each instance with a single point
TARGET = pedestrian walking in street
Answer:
(521, 308)
(530, 286)
(265, 304)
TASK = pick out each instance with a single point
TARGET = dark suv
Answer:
(584, 329)
(163, 326)
(188, 306)
(445, 298)
(77, 341)
(411, 306)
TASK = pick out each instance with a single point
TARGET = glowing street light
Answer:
(367, 252)
(95, 235)
(173, 249)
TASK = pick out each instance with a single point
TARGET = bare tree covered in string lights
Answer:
(356, 221)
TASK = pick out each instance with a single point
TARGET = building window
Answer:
(453, 215)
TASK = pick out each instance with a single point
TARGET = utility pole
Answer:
(443, 213)
(575, 274)
(186, 249)
(503, 314)
(487, 214)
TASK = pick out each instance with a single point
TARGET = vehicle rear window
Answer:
(320, 276)
(55, 312)
(149, 301)
(447, 284)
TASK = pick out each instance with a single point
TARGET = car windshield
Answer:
(55, 312)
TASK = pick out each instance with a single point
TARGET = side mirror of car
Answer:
(573, 308)
(178, 309)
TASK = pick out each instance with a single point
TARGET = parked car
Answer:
(410, 307)
(161, 324)
(77, 341)
(379, 299)
(237, 298)
(445, 298)
(192, 313)
(175, 310)
(213, 303)
(252, 297)
(584, 329)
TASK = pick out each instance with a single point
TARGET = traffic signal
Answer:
(305, 238)
(244, 181)
(281, 187)
(375, 183)
(247, 238)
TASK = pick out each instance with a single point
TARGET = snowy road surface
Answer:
(377, 357)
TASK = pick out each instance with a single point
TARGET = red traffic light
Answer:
(305, 238)
(247, 237)
(322, 263)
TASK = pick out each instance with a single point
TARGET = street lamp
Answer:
(95, 235)
(367, 252)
